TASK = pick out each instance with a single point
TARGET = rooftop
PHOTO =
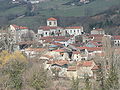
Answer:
(116, 37)
(98, 29)
(59, 62)
(87, 63)
(73, 27)
(91, 48)
(71, 68)
(19, 27)
(47, 28)
(51, 19)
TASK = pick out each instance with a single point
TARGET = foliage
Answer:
(101, 24)
(55, 72)
(5, 56)
(14, 69)
(112, 82)
(87, 83)
(75, 84)
(39, 80)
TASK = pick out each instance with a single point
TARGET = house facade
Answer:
(74, 30)
(76, 56)
(116, 40)
(85, 68)
(17, 32)
(45, 31)
(51, 29)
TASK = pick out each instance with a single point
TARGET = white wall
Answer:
(117, 42)
(76, 57)
(53, 23)
(97, 32)
(74, 31)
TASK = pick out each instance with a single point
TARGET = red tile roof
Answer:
(95, 35)
(95, 43)
(48, 40)
(53, 37)
(85, 63)
(19, 27)
(59, 62)
(116, 37)
(73, 27)
(102, 54)
(65, 39)
(58, 44)
(72, 68)
(76, 52)
(91, 48)
(51, 19)
(59, 50)
(47, 28)
(35, 49)
(95, 67)
(48, 56)
(27, 42)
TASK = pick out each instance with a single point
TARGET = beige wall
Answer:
(71, 74)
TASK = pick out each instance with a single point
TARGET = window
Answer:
(78, 31)
(77, 56)
(82, 32)
(54, 23)
(50, 23)
(46, 33)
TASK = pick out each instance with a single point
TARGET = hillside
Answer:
(54, 8)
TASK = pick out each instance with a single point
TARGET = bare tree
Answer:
(7, 40)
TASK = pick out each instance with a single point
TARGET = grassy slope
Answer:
(14, 11)
(7, 8)
(63, 10)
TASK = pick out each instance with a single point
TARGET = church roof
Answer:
(52, 19)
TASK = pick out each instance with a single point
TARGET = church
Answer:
(52, 29)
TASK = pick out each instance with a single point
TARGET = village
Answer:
(69, 50)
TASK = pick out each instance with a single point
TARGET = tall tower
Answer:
(52, 22)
